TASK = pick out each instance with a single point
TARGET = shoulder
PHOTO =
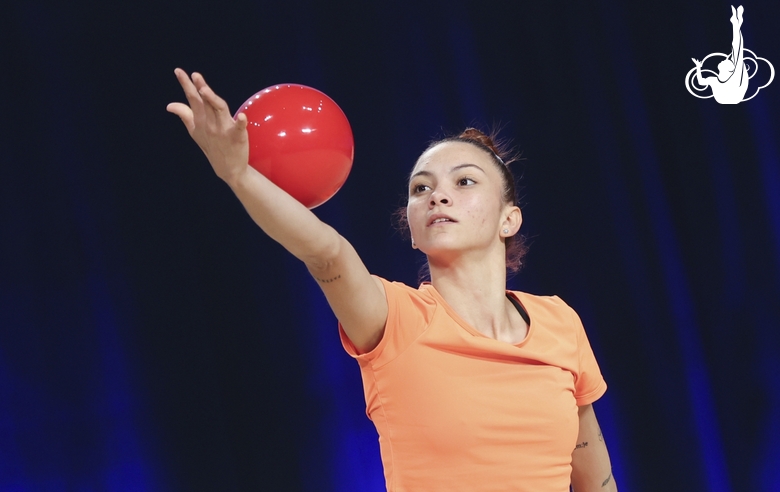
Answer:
(552, 307)
(409, 313)
(552, 301)
(394, 285)
(404, 300)
(400, 289)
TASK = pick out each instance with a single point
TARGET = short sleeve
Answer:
(589, 384)
(408, 314)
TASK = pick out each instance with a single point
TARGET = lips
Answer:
(440, 219)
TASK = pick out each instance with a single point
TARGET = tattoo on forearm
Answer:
(607, 480)
(601, 437)
(583, 444)
(328, 280)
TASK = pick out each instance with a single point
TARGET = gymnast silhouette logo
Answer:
(735, 70)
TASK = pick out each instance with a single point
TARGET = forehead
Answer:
(449, 154)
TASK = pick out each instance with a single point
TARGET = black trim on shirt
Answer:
(520, 309)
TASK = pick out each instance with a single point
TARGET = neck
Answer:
(483, 277)
(475, 287)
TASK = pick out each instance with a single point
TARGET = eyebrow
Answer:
(459, 166)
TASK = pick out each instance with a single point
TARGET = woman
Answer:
(470, 387)
(726, 88)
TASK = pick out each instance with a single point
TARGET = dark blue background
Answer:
(152, 338)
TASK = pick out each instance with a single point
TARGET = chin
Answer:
(446, 248)
(439, 248)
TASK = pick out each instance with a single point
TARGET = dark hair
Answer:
(516, 247)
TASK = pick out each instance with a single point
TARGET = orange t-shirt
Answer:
(457, 410)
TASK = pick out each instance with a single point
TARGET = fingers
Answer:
(213, 116)
(209, 97)
(190, 91)
(206, 110)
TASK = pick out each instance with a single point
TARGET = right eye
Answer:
(420, 188)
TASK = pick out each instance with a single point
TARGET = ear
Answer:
(512, 220)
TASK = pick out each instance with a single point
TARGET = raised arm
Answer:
(591, 470)
(701, 80)
(357, 299)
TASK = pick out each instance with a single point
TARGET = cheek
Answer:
(479, 213)
(476, 216)
(412, 215)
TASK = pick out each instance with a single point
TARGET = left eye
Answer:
(466, 181)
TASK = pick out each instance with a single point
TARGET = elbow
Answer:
(325, 251)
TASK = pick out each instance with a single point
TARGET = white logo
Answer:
(730, 84)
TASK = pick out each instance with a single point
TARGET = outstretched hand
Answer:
(208, 120)
(697, 62)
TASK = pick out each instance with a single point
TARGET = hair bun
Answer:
(477, 135)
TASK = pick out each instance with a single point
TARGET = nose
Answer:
(439, 197)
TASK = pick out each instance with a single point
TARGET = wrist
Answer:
(237, 178)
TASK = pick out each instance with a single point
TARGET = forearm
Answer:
(285, 219)
(593, 473)
(699, 78)
(591, 470)
(356, 298)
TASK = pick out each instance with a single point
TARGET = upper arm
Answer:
(591, 469)
(356, 298)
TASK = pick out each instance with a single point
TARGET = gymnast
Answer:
(731, 84)
(471, 387)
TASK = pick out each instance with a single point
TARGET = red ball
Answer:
(300, 140)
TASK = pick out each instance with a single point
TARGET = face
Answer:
(455, 202)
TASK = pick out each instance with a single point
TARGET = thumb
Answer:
(184, 112)
(241, 122)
